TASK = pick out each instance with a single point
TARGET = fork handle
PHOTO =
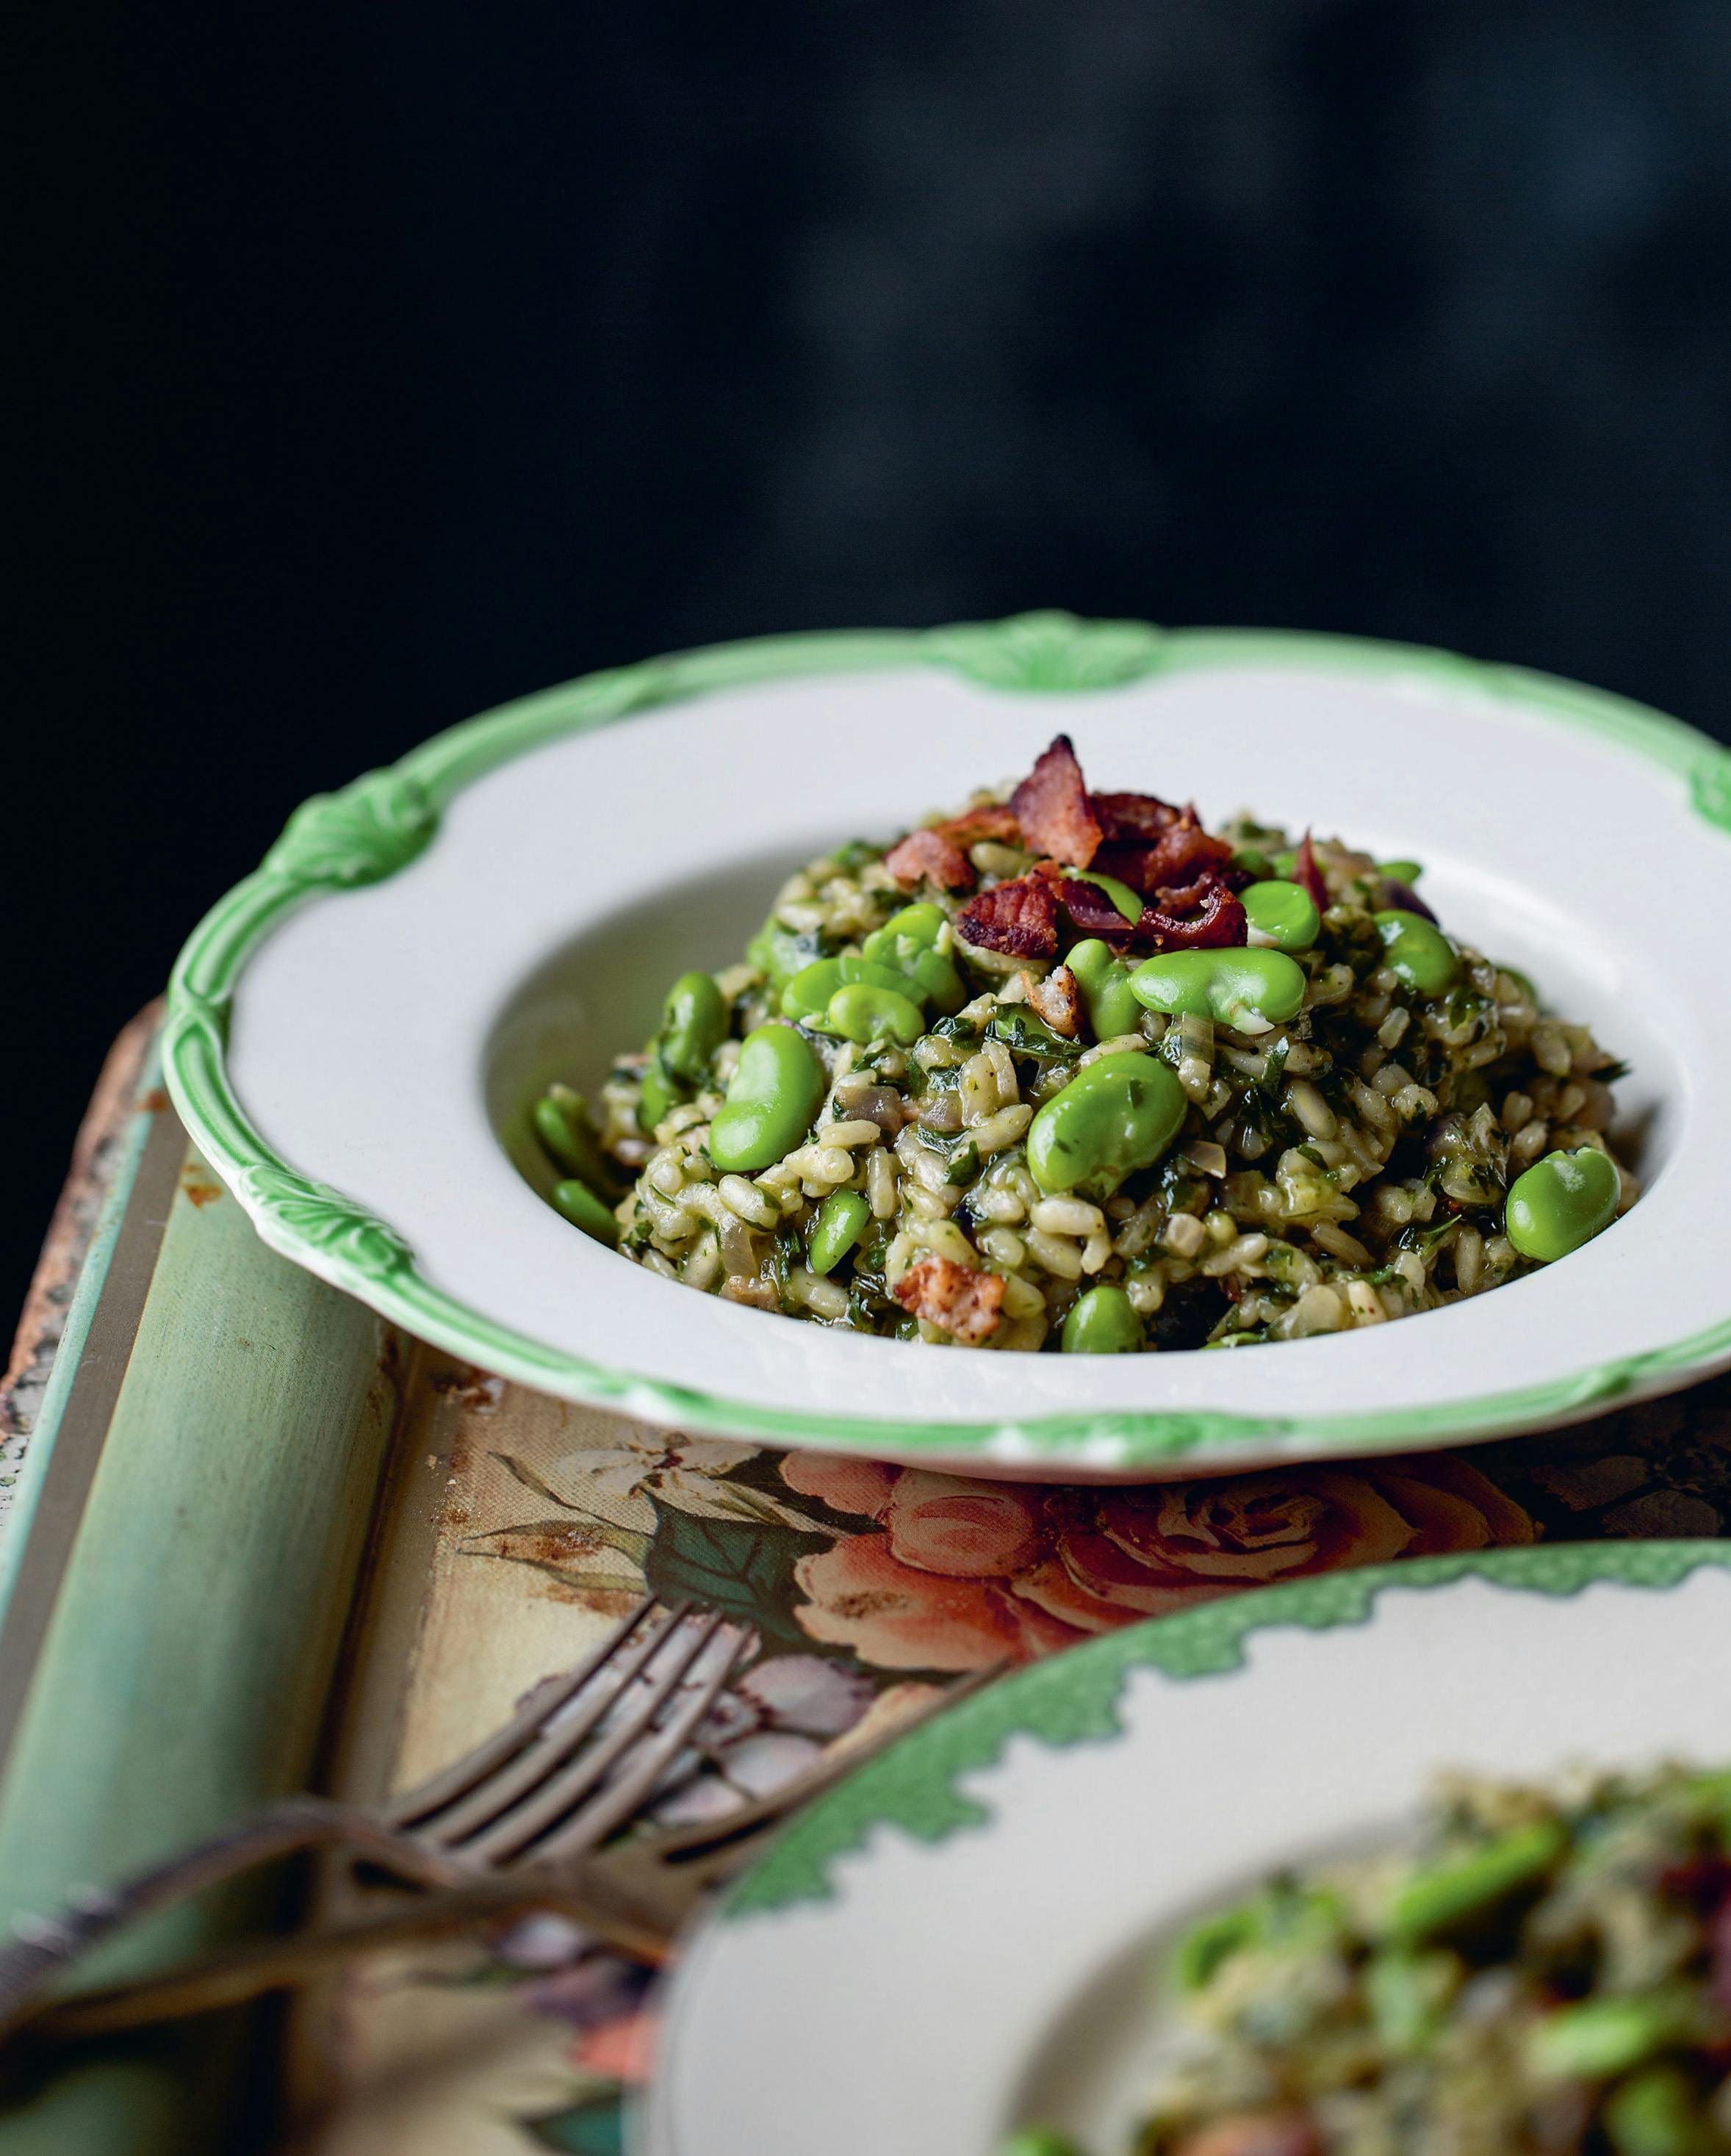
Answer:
(42, 1947)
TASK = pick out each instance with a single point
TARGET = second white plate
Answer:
(963, 1938)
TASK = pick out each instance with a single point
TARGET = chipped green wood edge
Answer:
(86, 1293)
(1076, 1697)
(386, 819)
(185, 1675)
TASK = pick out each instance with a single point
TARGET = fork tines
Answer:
(576, 1762)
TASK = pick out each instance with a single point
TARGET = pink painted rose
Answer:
(956, 1574)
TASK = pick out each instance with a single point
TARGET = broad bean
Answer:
(584, 1209)
(1658, 2112)
(841, 1220)
(659, 1095)
(778, 951)
(1115, 1118)
(1282, 915)
(908, 941)
(807, 995)
(1594, 2038)
(777, 1086)
(1437, 1898)
(695, 1020)
(1104, 979)
(1101, 1321)
(1249, 990)
(1562, 1202)
(864, 1012)
(1416, 952)
(1128, 902)
(562, 1124)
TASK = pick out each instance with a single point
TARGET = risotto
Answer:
(1549, 1974)
(1069, 1070)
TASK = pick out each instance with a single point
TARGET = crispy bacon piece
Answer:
(1396, 893)
(1718, 1937)
(1133, 819)
(1306, 871)
(991, 820)
(1176, 858)
(1056, 999)
(1218, 922)
(1019, 917)
(1052, 805)
(929, 857)
(964, 1302)
(1254, 2133)
(1094, 913)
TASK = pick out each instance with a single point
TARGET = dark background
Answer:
(387, 363)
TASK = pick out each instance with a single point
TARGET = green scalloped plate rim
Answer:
(384, 820)
(1074, 1697)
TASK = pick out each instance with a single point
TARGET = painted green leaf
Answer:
(594, 2128)
(741, 1568)
(1047, 651)
(361, 835)
(297, 1217)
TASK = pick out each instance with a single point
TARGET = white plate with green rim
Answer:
(964, 1937)
(355, 1032)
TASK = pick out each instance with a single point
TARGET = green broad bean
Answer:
(1283, 865)
(1658, 2113)
(908, 943)
(1282, 914)
(694, 1019)
(1442, 1895)
(864, 1012)
(1115, 1118)
(1104, 980)
(1406, 872)
(778, 951)
(809, 993)
(1127, 902)
(584, 1209)
(1039, 2141)
(933, 973)
(660, 1095)
(777, 1086)
(1596, 2038)
(562, 1124)
(1562, 1202)
(1253, 861)
(1249, 990)
(1281, 1915)
(915, 927)
(841, 1221)
(1101, 1321)
(1417, 951)
(1206, 1945)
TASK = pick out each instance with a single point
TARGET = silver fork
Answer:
(579, 1760)
(635, 1895)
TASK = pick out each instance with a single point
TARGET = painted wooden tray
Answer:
(256, 1539)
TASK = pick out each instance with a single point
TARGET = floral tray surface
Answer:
(506, 1528)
